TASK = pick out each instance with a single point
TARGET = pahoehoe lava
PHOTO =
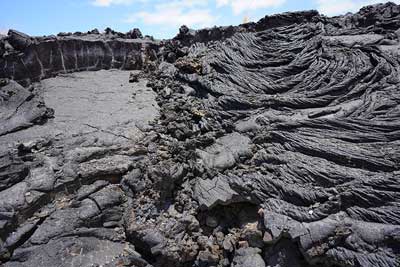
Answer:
(274, 143)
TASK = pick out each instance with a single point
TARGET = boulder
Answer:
(19, 40)
(135, 34)
(248, 257)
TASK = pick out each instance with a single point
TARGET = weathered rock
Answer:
(217, 191)
(13, 170)
(94, 31)
(20, 108)
(107, 168)
(135, 34)
(19, 40)
(253, 236)
(69, 251)
(226, 151)
(153, 238)
(211, 221)
(284, 253)
(248, 257)
(207, 259)
(277, 144)
(72, 53)
(134, 77)
(134, 181)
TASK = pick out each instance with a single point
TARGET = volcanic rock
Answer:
(46, 57)
(273, 143)
(19, 40)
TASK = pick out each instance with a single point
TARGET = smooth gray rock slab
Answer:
(217, 191)
(69, 251)
(226, 151)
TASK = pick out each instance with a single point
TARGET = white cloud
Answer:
(106, 3)
(221, 3)
(339, 7)
(240, 6)
(182, 4)
(176, 13)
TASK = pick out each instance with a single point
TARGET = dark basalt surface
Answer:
(28, 59)
(276, 143)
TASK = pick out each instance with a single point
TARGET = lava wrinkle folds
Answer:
(274, 143)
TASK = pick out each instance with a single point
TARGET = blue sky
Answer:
(154, 17)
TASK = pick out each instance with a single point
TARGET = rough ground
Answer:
(83, 103)
(276, 143)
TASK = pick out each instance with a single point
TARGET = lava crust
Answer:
(273, 143)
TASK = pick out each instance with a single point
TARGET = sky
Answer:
(158, 18)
